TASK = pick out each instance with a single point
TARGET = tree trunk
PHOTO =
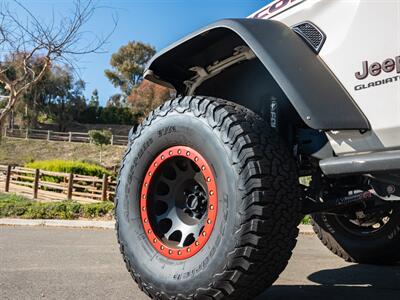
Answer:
(1, 131)
(6, 111)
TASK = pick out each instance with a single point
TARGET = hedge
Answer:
(68, 166)
(12, 206)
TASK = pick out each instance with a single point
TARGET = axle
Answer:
(311, 206)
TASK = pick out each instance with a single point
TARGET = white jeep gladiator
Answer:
(209, 196)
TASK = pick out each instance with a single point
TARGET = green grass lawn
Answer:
(13, 206)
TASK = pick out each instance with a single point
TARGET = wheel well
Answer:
(250, 85)
(286, 58)
(221, 63)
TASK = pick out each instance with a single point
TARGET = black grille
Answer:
(311, 34)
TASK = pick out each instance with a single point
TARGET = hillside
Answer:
(20, 151)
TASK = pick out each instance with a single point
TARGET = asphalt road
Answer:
(58, 263)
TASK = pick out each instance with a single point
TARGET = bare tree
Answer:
(25, 43)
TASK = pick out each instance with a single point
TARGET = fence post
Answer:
(70, 186)
(8, 178)
(36, 184)
(27, 133)
(104, 188)
(70, 137)
(48, 135)
(5, 131)
(112, 140)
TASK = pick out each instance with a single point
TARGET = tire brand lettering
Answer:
(142, 150)
(166, 130)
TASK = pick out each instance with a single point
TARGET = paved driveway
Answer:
(59, 263)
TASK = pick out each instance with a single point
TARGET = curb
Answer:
(59, 223)
(304, 229)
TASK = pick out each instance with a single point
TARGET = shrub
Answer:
(100, 137)
(12, 206)
(306, 220)
(66, 166)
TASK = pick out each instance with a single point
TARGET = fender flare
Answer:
(316, 94)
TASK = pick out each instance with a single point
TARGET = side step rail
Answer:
(362, 163)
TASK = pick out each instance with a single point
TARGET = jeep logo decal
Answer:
(374, 69)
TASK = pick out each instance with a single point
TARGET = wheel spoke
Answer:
(169, 214)
(186, 231)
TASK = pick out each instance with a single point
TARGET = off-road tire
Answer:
(258, 211)
(381, 248)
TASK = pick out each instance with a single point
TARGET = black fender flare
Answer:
(316, 94)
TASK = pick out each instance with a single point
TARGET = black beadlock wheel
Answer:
(375, 241)
(207, 202)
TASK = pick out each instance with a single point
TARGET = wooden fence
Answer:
(55, 186)
(77, 137)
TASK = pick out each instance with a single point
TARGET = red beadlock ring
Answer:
(212, 207)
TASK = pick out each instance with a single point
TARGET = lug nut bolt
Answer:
(197, 243)
(188, 153)
(203, 233)
(179, 151)
(155, 241)
(196, 159)
(179, 252)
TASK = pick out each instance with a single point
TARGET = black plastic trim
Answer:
(319, 98)
(316, 49)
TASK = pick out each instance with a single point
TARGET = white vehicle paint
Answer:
(357, 31)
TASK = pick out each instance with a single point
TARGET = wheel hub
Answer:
(179, 202)
(196, 202)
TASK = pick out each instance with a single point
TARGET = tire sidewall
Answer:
(380, 247)
(177, 276)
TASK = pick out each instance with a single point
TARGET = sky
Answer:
(158, 22)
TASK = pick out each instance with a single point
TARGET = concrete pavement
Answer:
(66, 263)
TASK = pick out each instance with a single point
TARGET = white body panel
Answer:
(357, 31)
